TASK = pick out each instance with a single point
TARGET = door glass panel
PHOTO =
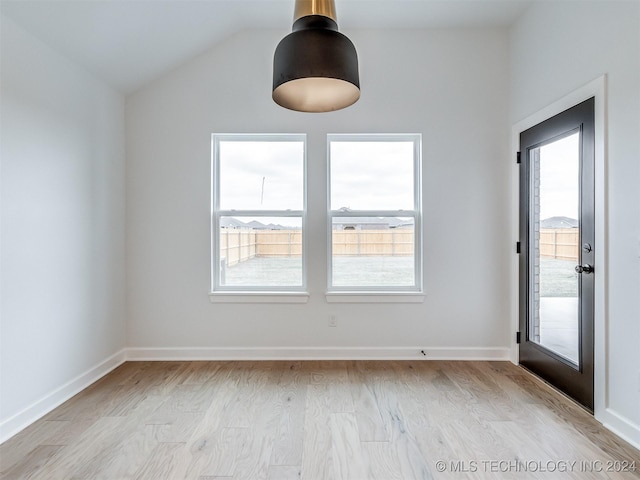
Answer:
(555, 238)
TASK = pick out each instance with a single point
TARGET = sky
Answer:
(560, 178)
(372, 175)
(268, 175)
(261, 175)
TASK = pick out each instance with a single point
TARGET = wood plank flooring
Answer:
(352, 420)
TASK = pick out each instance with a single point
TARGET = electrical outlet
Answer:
(333, 320)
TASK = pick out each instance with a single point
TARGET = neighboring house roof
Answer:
(231, 222)
(559, 222)
(363, 222)
(389, 222)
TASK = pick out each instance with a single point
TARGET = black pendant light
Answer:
(315, 68)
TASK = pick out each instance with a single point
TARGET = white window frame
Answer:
(379, 294)
(256, 294)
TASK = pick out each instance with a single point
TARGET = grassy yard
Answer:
(347, 271)
(558, 278)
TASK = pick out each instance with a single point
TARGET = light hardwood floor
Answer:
(334, 420)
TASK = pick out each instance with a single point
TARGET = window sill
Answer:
(375, 297)
(258, 297)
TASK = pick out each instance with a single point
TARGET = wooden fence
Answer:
(279, 243)
(373, 243)
(560, 243)
(240, 244)
(237, 245)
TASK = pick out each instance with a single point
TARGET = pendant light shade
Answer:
(315, 68)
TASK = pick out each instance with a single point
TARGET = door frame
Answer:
(575, 376)
(597, 89)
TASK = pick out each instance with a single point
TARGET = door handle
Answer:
(586, 268)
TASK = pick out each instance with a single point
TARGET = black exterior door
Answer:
(557, 268)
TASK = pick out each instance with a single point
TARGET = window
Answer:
(374, 213)
(258, 219)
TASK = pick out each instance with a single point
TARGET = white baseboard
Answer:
(618, 424)
(38, 409)
(621, 426)
(318, 353)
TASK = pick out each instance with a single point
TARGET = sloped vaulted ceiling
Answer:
(129, 43)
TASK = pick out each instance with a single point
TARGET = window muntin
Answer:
(258, 206)
(374, 213)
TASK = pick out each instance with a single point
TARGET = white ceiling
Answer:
(128, 43)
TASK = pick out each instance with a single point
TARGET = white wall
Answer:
(63, 182)
(62, 228)
(557, 47)
(449, 85)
